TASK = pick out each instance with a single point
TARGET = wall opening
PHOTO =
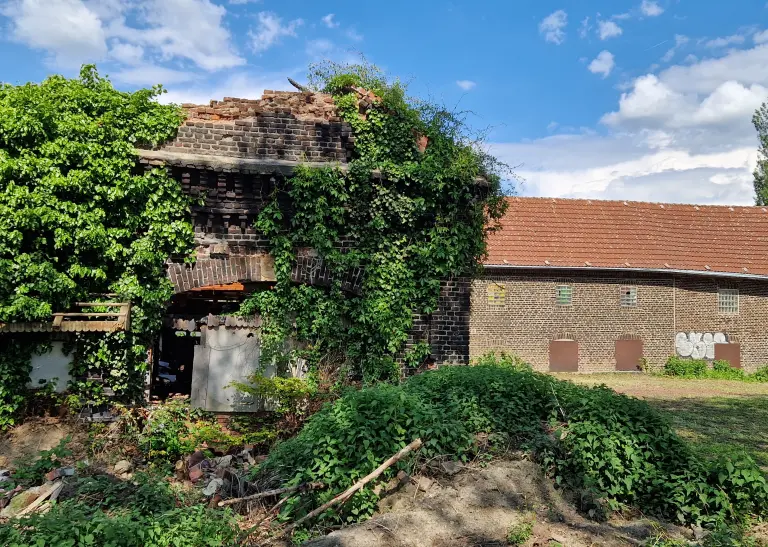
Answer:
(628, 355)
(729, 352)
(564, 356)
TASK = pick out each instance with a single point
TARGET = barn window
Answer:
(728, 301)
(628, 296)
(564, 295)
(496, 294)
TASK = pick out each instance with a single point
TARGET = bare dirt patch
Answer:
(477, 508)
(25, 441)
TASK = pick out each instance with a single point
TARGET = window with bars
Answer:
(728, 301)
(564, 295)
(628, 296)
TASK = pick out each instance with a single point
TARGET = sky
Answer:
(646, 100)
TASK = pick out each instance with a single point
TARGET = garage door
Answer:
(564, 356)
(628, 354)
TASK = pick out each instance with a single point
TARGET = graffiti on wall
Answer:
(698, 345)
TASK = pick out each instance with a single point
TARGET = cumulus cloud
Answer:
(552, 27)
(725, 41)
(650, 8)
(608, 29)
(68, 30)
(270, 30)
(77, 31)
(466, 85)
(328, 20)
(760, 37)
(683, 134)
(602, 64)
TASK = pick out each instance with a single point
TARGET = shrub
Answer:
(761, 375)
(519, 533)
(614, 449)
(688, 368)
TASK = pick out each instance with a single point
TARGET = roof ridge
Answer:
(630, 202)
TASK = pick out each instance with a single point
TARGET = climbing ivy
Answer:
(407, 217)
(76, 216)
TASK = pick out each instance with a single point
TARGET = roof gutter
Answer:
(644, 270)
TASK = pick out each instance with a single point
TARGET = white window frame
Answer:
(628, 296)
(564, 291)
(728, 301)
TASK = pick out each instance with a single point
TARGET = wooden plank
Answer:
(89, 314)
(96, 304)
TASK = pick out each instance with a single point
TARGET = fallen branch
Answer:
(276, 492)
(349, 492)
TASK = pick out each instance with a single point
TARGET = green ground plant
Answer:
(720, 370)
(103, 511)
(519, 533)
(613, 450)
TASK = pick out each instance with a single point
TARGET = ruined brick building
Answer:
(569, 284)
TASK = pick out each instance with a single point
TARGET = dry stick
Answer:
(276, 492)
(341, 498)
(245, 534)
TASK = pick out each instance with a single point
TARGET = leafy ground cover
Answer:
(716, 417)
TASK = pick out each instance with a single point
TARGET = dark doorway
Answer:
(564, 356)
(628, 355)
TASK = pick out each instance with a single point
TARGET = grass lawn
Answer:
(716, 416)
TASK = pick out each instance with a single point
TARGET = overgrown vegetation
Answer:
(407, 218)
(78, 219)
(106, 512)
(721, 370)
(612, 451)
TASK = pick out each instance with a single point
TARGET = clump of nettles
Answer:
(612, 450)
(410, 215)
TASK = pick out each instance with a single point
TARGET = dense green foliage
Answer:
(15, 366)
(106, 512)
(721, 370)
(760, 121)
(415, 218)
(76, 216)
(612, 449)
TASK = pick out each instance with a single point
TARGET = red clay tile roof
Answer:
(630, 234)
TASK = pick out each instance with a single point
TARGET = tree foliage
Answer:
(407, 218)
(760, 121)
(76, 216)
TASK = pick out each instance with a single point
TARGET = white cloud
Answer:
(553, 25)
(602, 64)
(760, 37)
(241, 85)
(650, 8)
(127, 54)
(148, 75)
(466, 85)
(329, 21)
(271, 30)
(725, 41)
(608, 29)
(683, 134)
(66, 29)
(680, 41)
(320, 47)
(584, 28)
(243, 2)
(77, 31)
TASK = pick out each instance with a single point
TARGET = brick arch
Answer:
(629, 336)
(563, 335)
(224, 270)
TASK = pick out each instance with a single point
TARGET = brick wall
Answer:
(282, 125)
(528, 317)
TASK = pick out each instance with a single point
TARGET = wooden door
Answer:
(628, 354)
(564, 356)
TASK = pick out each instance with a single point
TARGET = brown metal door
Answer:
(564, 356)
(730, 353)
(628, 354)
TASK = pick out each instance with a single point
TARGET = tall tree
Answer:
(760, 120)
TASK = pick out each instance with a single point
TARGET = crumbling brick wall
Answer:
(282, 125)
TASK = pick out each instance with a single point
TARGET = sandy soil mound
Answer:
(478, 506)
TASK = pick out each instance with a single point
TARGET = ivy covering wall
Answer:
(412, 216)
(77, 218)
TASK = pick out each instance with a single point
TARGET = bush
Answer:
(688, 368)
(614, 449)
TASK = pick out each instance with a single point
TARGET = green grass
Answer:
(717, 417)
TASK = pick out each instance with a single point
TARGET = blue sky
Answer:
(624, 99)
